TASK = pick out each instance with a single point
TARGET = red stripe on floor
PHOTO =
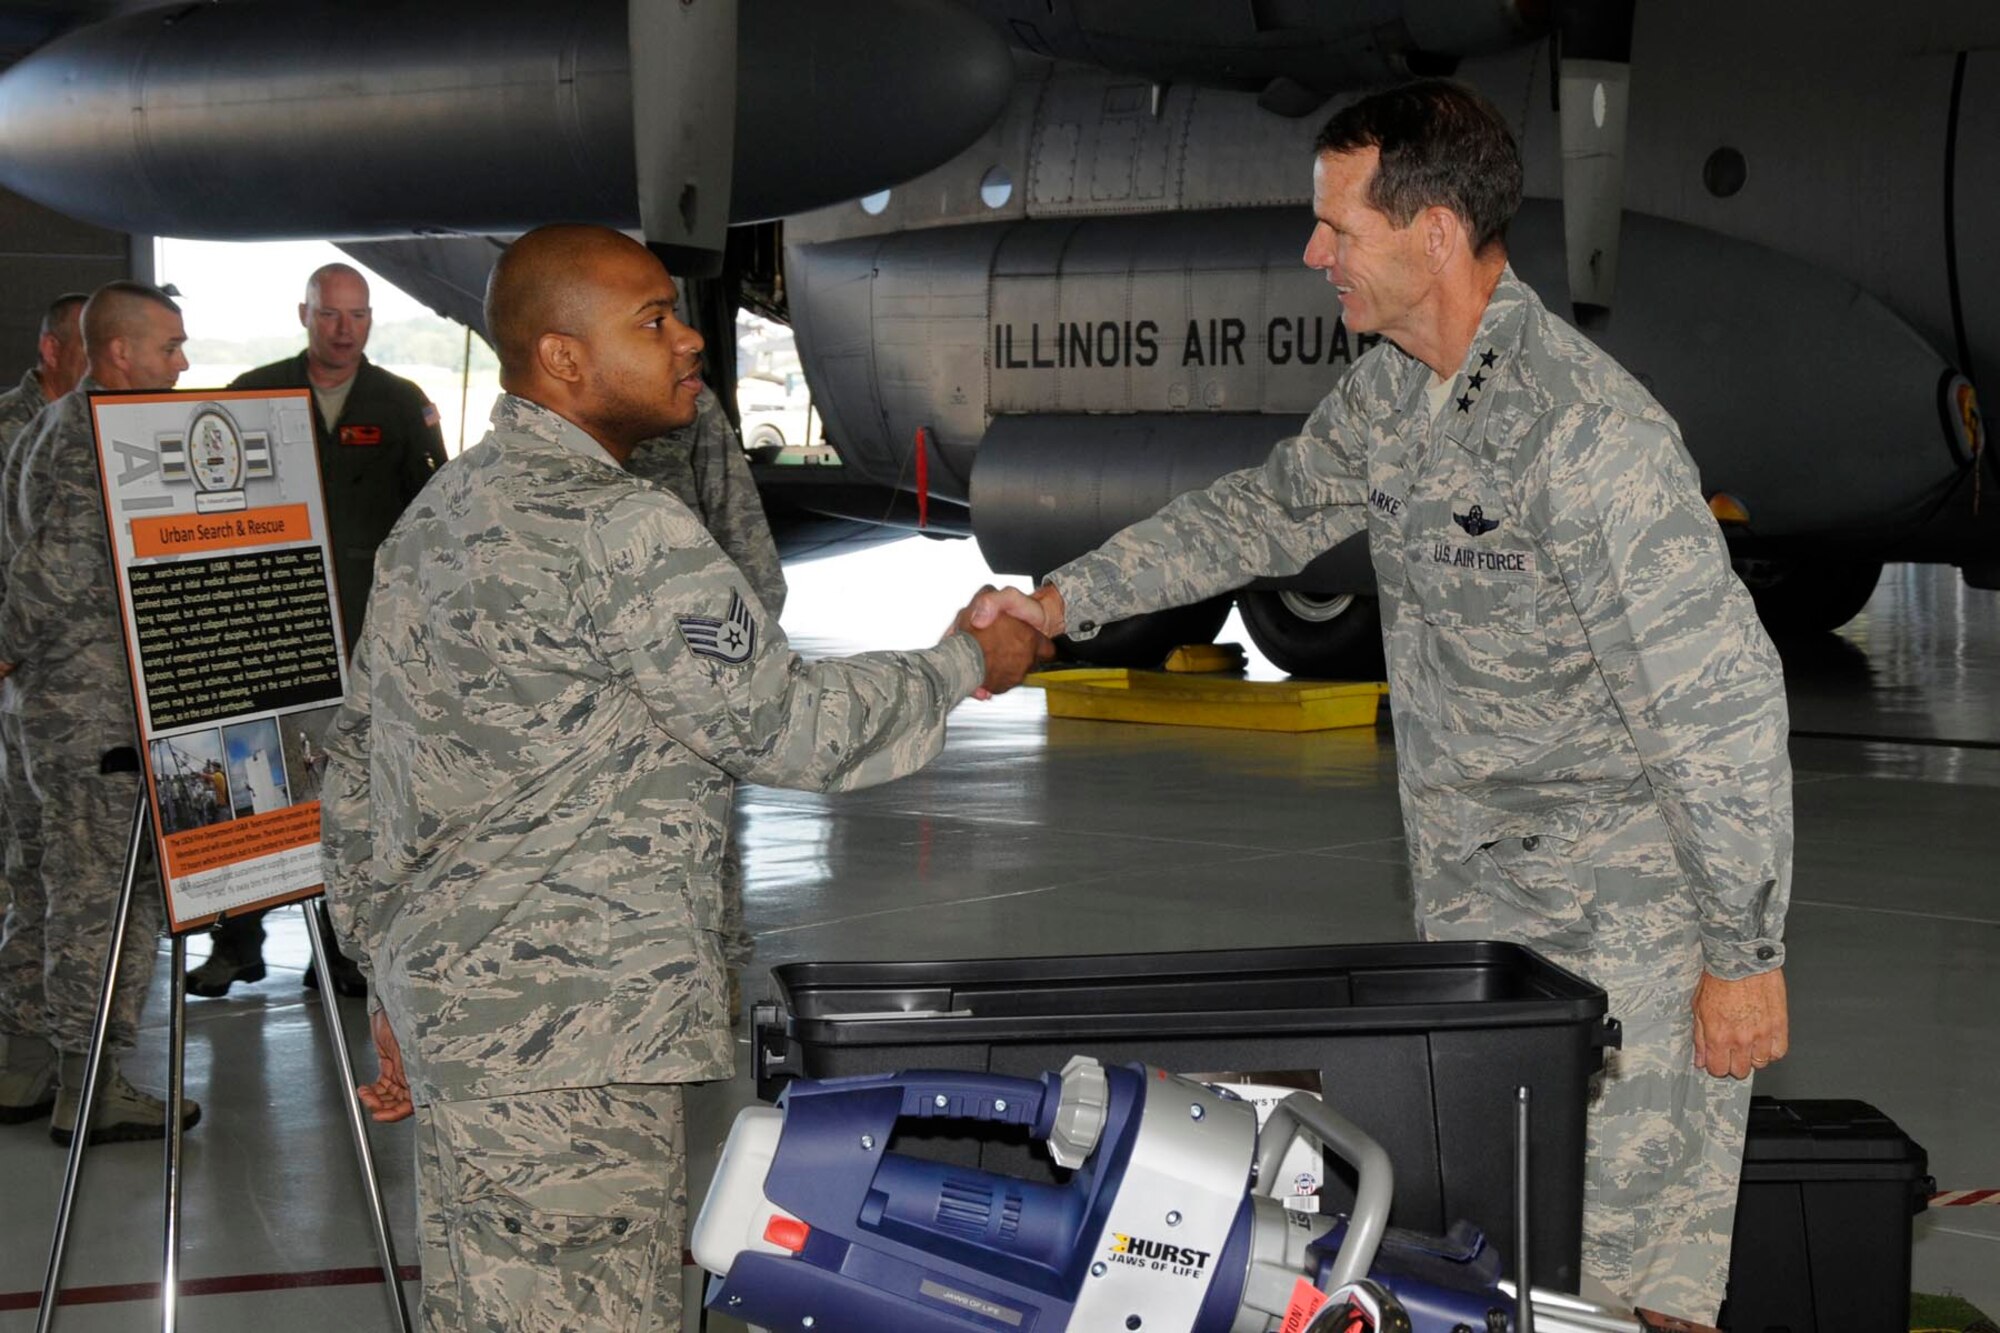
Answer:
(206, 1286)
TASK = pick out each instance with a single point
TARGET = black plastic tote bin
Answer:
(1422, 1045)
(1822, 1240)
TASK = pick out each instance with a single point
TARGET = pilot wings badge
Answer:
(1475, 522)
(727, 640)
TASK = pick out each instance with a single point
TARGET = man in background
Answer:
(62, 647)
(59, 364)
(704, 467)
(378, 444)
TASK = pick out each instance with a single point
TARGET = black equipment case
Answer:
(1822, 1241)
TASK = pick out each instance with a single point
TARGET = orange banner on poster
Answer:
(190, 534)
(245, 839)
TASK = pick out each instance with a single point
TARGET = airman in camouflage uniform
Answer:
(560, 679)
(61, 637)
(59, 365)
(703, 467)
(1590, 723)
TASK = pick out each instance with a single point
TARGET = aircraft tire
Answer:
(1796, 597)
(1324, 638)
(1144, 641)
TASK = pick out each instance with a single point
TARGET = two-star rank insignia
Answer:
(727, 640)
(1475, 522)
(1477, 380)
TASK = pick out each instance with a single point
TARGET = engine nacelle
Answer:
(315, 118)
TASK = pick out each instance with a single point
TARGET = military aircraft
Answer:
(1042, 257)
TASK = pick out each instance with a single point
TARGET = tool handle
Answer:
(1303, 1112)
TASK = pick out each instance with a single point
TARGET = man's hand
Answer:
(388, 1097)
(1042, 608)
(6, 670)
(1011, 647)
(1740, 1026)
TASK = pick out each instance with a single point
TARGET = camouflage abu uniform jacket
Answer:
(17, 408)
(703, 467)
(528, 789)
(1565, 638)
(60, 623)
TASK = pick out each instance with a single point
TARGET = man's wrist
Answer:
(1733, 959)
(1053, 608)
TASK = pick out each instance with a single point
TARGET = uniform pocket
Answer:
(1538, 880)
(524, 1267)
(1472, 600)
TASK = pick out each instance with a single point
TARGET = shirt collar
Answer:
(523, 417)
(1494, 349)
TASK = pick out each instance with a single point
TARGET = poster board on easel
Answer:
(223, 562)
(219, 546)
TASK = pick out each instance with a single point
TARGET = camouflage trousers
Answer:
(59, 927)
(554, 1211)
(1665, 1139)
(20, 812)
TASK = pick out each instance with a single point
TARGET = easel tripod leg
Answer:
(93, 1067)
(357, 1124)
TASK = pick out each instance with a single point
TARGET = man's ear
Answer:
(48, 350)
(557, 354)
(305, 319)
(1442, 231)
(119, 350)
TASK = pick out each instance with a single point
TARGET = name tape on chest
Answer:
(365, 437)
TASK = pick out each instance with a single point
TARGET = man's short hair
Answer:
(1442, 145)
(110, 311)
(325, 271)
(57, 314)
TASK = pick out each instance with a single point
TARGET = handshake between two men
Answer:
(1013, 645)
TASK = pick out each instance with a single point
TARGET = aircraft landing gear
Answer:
(1808, 596)
(1336, 637)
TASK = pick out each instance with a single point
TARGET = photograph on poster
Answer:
(304, 738)
(256, 767)
(188, 772)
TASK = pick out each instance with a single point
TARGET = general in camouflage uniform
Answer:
(560, 680)
(1590, 723)
(60, 631)
(703, 466)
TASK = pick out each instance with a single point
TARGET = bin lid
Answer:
(1829, 1132)
(1314, 988)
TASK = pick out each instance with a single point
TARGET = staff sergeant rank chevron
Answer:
(727, 640)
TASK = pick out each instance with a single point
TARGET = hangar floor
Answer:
(1033, 836)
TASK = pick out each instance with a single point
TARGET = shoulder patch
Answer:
(729, 639)
(430, 413)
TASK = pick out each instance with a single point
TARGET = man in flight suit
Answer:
(378, 444)
(560, 681)
(62, 646)
(1590, 723)
(704, 467)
